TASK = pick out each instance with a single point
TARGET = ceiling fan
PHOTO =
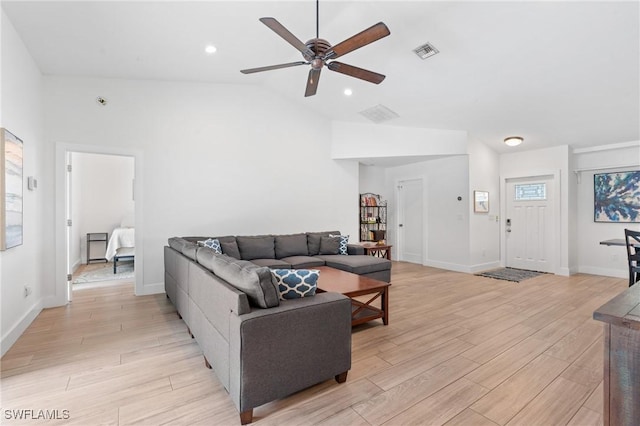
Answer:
(317, 52)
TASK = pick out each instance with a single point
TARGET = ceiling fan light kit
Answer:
(513, 140)
(317, 52)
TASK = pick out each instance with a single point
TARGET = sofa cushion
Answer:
(313, 240)
(189, 249)
(272, 263)
(329, 245)
(344, 241)
(256, 247)
(291, 245)
(253, 280)
(303, 262)
(357, 264)
(296, 283)
(229, 246)
(177, 243)
(213, 244)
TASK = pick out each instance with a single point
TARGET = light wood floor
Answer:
(459, 350)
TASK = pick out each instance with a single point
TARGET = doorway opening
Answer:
(66, 235)
(100, 219)
(100, 212)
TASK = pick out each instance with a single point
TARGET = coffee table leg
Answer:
(385, 305)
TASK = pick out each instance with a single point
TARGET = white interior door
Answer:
(410, 221)
(530, 233)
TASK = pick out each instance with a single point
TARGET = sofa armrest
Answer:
(355, 249)
(278, 351)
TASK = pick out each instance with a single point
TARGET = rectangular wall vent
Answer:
(378, 114)
(426, 50)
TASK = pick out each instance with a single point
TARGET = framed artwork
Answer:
(481, 201)
(10, 190)
(616, 197)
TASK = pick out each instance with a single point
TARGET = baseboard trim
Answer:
(153, 288)
(76, 265)
(20, 326)
(484, 267)
(448, 266)
(605, 272)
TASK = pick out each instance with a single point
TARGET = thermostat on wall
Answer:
(32, 183)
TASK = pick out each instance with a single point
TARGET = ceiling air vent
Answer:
(378, 114)
(426, 50)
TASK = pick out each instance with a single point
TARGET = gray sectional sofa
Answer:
(262, 348)
(303, 250)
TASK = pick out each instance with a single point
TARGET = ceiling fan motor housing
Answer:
(319, 47)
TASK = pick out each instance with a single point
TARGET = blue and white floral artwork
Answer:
(617, 197)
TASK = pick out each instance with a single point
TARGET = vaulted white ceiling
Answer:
(553, 72)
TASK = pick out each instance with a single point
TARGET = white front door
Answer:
(529, 226)
(410, 221)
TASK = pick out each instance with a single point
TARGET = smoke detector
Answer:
(379, 113)
(426, 50)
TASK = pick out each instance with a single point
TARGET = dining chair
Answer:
(632, 241)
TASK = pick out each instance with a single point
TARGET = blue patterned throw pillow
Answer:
(344, 240)
(213, 244)
(296, 283)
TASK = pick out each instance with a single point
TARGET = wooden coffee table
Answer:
(354, 285)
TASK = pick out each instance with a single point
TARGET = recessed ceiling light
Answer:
(513, 140)
(210, 49)
(348, 92)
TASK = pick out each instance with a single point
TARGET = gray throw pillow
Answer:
(313, 241)
(329, 245)
(229, 246)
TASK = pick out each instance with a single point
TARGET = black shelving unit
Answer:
(96, 237)
(373, 217)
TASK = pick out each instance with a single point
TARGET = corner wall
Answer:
(22, 114)
(594, 258)
(484, 228)
(446, 229)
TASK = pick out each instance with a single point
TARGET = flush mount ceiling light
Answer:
(348, 92)
(210, 49)
(513, 140)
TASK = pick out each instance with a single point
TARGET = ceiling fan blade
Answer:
(273, 67)
(371, 34)
(279, 29)
(312, 82)
(356, 72)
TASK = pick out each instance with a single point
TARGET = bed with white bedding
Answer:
(121, 246)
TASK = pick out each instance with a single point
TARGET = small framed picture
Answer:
(481, 201)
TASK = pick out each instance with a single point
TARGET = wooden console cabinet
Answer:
(621, 316)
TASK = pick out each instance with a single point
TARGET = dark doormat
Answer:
(510, 274)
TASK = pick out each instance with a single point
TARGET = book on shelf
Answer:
(369, 201)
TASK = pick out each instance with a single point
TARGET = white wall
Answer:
(372, 179)
(29, 264)
(218, 159)
(446, 219)
(103, 189)
(594, 258)
(484, 228)
(540, 162)
(357, 140)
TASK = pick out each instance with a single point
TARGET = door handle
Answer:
(400, 225)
